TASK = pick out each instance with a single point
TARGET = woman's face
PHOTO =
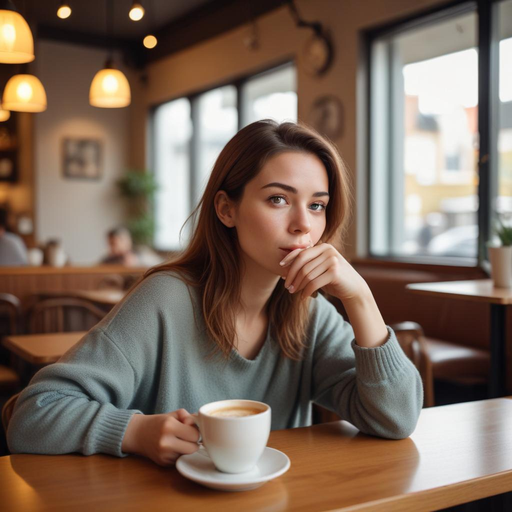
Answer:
(281, 209)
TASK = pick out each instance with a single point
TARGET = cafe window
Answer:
(190, 132)
(270, 95)
(505, 108)
(425, 139)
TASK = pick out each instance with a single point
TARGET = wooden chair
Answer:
(9, 379)
(63, 314)
(7, 411)
(411, 339)
(115, 281)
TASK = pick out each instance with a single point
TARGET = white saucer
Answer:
(199, 468)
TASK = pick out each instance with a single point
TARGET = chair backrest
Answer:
(411, 339)
(10, 305)
(115, 281)
(63, 314)
(7, 411)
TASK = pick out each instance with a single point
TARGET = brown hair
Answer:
(210, 262)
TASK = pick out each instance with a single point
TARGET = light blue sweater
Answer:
(149, 356)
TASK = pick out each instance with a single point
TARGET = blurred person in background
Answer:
(120, 248)
(12, 248)
(122, 252)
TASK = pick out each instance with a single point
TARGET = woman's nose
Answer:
(299, 222)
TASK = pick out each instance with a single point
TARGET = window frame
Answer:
(239, 83)
(488, 83)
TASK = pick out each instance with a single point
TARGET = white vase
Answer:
(501, 266)
(35, 257)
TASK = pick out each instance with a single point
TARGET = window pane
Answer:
(217, 123)
(271, 95)
(424, 141)
(504, 204)
(173, 131)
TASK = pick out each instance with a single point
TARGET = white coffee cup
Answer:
(235, 444)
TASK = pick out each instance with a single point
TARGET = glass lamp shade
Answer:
(110, 89)
(24, 93)
(16, 41)
(4, 115)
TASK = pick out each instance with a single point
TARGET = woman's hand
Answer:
(161, 437)
(321, 266)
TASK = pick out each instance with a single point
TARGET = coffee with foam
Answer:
(235, 412)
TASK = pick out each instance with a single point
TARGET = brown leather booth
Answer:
(464, 325)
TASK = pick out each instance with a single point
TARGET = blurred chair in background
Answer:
(411, 339)
(10, 318)
(63, 314)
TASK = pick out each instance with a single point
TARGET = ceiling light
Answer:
(109, 88)
(64, 11)
(150, 41)
(24, 93)
(136, 12)
(16, 41)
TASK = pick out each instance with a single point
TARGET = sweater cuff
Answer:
(108, 432)
(377, 364)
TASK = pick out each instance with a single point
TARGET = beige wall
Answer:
(225, 57)
(79, 212)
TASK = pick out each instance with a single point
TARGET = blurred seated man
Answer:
(12, 248)
(121, 249)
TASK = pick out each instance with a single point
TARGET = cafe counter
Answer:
(24, 282)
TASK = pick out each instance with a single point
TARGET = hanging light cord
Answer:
(110, 29)
(150, 16)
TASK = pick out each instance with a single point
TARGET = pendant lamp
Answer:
(109, 87)
(24, 93)
(4, 115)
(136, 12)
(16, 41)
(64, 10)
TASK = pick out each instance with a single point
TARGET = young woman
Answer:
(236, 315)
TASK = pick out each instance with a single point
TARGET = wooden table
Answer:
(41, 349)
(458, 453)
(480, 291)
(104, 297)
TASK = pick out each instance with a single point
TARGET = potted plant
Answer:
(500, 256)
(139, 187)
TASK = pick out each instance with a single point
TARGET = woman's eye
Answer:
(276, 200)
(280, 200)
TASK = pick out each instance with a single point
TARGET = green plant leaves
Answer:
(139, 187)
(504, 232)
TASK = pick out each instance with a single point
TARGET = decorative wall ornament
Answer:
(318, 52)
(82, 158)
(326, 116)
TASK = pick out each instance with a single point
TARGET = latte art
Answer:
(235, 412)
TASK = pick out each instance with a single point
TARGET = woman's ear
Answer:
(225, 209)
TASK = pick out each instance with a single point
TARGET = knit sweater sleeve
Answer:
(80, 404)
(84, 402)
(378, 389)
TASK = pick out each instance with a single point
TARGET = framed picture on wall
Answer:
(9, 150)
(82, 158)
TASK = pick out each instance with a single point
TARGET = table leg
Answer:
(497, 379)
